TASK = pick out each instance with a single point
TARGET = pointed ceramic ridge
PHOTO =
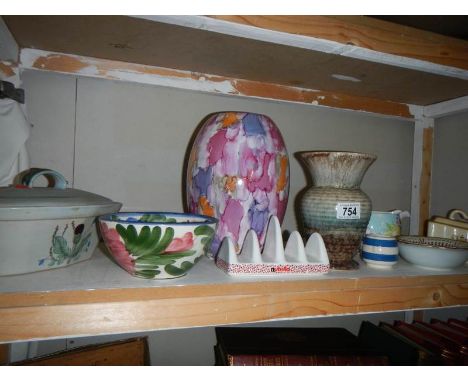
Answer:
(294, 251)
(295, 259)
(227, 252)
(250, 252)
(315, 249)
(273, 251)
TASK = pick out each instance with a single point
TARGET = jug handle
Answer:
(404, 214)
(401, 214)
(453, 213)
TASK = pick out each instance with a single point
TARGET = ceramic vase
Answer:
(335, 206)
(238, 172)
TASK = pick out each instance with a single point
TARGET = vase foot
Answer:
(344, 266)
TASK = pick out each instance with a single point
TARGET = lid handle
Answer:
(453, 213)
(56, 179)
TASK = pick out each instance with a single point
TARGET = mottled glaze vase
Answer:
(238, 172)
(335, 206)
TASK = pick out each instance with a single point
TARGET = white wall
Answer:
(450, 164)
(128, 142)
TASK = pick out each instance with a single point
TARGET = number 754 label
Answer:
(348, 210)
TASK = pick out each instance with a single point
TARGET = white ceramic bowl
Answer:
(433, 252)
(157, 245)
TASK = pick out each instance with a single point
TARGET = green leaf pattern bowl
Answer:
(157, 245)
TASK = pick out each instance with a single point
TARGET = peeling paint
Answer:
(59, 62)
(124, 71)
(6, 69)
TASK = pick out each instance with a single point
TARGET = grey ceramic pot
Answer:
(335, 206)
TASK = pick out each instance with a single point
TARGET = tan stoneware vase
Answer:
(335, 206)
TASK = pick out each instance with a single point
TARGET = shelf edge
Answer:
(54, 319)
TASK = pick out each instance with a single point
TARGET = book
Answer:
(447, 332)
(460, 323)
(425, 356)
(437, 345)
(398, 351)
(306, 360)
(129, 352)
(259, 346)
(456, 324)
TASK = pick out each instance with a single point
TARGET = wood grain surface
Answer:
(35, 315)
(425, 182)
(366, 32)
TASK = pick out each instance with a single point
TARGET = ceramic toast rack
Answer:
(275, 259)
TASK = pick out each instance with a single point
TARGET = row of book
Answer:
(418, 343)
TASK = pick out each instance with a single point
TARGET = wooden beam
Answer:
(200, 44)
(425, 182)
(372, 34)
(38, 315)
(443, 109)
(421, 174)
(117, 70)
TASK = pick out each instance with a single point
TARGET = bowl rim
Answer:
(206, 219)
(452, 244)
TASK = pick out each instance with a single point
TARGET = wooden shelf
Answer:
(350, 62)
(96, 297)
(344, 62)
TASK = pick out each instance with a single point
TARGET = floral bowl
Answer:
(433, 252)
(157, 245)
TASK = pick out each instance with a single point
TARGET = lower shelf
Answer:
(97, 297)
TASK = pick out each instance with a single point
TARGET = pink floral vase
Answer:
(238, 172)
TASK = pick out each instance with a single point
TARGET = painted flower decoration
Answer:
(117, 248)
(238, 172)
(181, 244)
(79, 229)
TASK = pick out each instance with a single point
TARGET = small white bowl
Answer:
(433, 252)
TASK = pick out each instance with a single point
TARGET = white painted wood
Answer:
(182, 80)
(18, 351)
(416, 177)
(306, 42)
(421, 123)
(409, 316)
(446, 108)
(9, 50)
(100, 272)
(29, 57)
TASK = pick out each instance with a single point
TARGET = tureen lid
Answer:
(25, 202)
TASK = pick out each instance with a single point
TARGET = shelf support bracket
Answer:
(422, 168)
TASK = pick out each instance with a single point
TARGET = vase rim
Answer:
(238, 112)
(307, 153)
